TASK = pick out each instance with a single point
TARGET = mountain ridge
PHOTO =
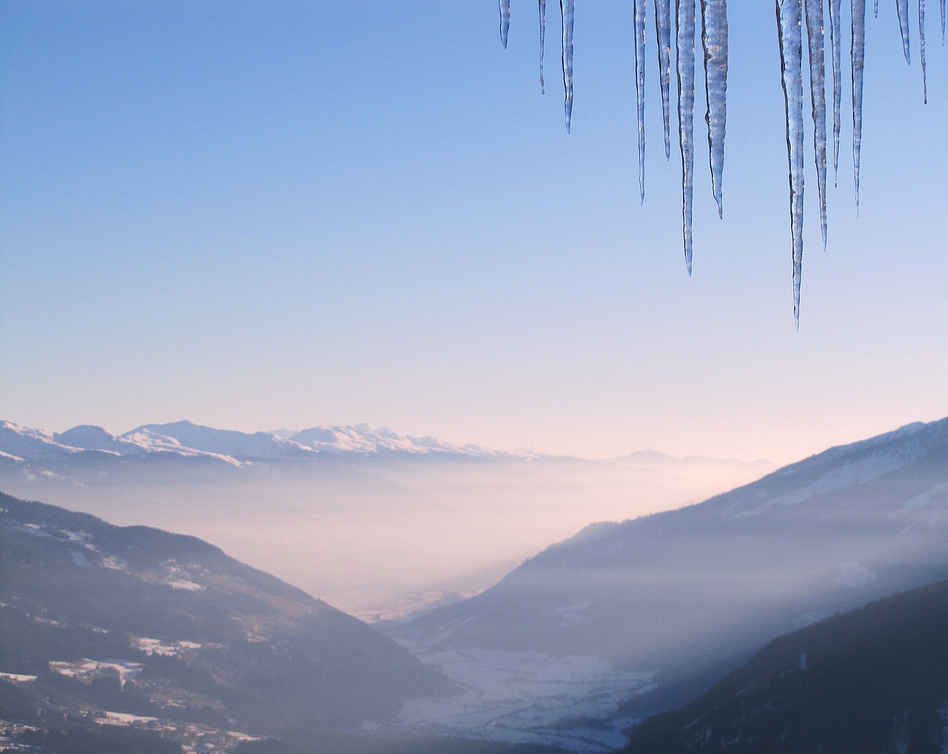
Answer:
(700, 588)
(139, 621)
(186, 439)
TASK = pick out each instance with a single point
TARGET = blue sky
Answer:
(256, 215)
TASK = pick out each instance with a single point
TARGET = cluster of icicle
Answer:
(793, 16)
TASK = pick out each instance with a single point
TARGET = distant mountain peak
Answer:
(186, 440)
(653, 457)
(89, 437)
(361, 438)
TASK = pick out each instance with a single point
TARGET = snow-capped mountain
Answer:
(24, 444)
(186, 440)
(89, 437)
(185, 436)
(361, 439)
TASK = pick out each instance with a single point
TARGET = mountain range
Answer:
(133, 639)
(577, 644)
(185, 440)
(684, 596)
(376, 523)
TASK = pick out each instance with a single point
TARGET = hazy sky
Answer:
(267, 214)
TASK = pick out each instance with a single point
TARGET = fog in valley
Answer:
(381, 537)
(503, 587)
(564, 468)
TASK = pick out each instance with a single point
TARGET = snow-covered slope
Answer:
(31, 444)
(38, 448)
(689, 590)
(87, 443)
(241, 446)
(361, 439)
(90, 437)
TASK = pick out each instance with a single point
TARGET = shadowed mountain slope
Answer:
(871, 680)
(138, 621)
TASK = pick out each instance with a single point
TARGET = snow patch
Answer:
(156, 647)
(114, 563)
(36, 530)
(47, 621)
(189, 586)
(17, 678)
(841, 478)
(123, 718)
(177, 577)
(86, 670)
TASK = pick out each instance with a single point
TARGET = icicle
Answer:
(942, 21)
(542, 41)
(858, 65)
(875, 8)
(902, 7)
(566, 15)
(921, 49)
(638, 14)
(836, 42)
(714, 42)
(504, 20)
(791, 66)
(815, 39)
(685, 54)
(663, 37)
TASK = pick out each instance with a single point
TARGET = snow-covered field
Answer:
(86, 669)
(155, 647)
(528, 697)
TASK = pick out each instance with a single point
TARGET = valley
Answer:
(376, 523)
(572, 649)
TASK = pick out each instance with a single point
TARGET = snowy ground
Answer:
(86, 670)
(528, 697)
